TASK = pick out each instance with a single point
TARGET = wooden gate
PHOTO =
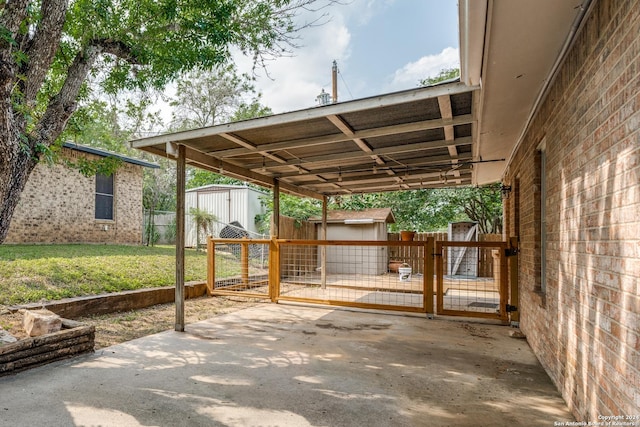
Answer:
(464, 284)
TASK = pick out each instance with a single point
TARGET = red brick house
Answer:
(60, 205)
(560, 101)
(549, 105)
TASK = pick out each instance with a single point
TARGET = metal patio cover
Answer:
(419, 138)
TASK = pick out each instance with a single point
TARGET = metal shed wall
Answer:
(227, 203)
(359, 259)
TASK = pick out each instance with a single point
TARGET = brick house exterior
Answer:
(58, 204)
(575, 202)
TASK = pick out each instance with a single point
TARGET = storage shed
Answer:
(368, 224)
(463, 261)
(228, 203)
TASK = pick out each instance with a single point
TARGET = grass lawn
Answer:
(31, 273)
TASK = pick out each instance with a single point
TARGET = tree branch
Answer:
(116, 48)
(43, 48)
(13, 13)
(62, 105)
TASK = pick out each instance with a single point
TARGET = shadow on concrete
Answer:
(282, 365)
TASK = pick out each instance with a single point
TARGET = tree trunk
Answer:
(15, 168)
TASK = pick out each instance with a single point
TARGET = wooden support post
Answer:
(439, 274)
(275, 225)
(513, 283)
(429, 259)
(180, 235)
(211, 266)
(274, 270)
(274, 249)
(244, 262)
(323, 248)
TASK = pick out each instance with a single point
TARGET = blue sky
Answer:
(381, 46)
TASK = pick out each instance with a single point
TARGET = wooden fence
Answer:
(296, 260)
(412, 255)
(302, 230)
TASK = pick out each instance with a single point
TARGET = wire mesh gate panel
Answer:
(466, 285)
(238, 267)
(353, 273)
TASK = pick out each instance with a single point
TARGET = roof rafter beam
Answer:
(388, 151)
(249, 146)
(444, 102)
(362, 134)
(407, 186)
(361, 143)
(204, 161)
(369, 178)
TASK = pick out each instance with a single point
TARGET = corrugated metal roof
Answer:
(105, 153)
(420, 138)
(222, 187)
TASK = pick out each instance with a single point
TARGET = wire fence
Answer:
(160, 228)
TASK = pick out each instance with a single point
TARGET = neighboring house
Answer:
(229, 203)
(560, 96)
(60, 205)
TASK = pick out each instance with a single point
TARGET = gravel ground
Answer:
(120, 327)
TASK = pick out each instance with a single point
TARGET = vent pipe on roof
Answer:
(334, 81)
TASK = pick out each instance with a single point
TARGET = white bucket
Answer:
(404, 274)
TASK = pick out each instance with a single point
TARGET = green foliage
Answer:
(29, 273)
(159, 187)
(171, 231)
(200, 177)
(204, 222)
(152, 235)
(444, 74)
(434, 209)
(419, 210)
(110, 122)
(250, 110)
(156, 41)
(90, 167)
(208, 98)
(479, 204)
(298, 208)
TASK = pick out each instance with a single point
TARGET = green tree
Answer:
(158, 193)
(251, 110)
(200, 177)
(417, 210)
(208, 98)
(205, 99)
(444, 74)
(479, 204)
(50, 48)
(299, 208)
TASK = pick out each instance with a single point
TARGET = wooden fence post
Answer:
(429, 260)
(513, 282)
(211, 266)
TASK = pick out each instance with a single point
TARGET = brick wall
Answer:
(58, 206)
(585, 328)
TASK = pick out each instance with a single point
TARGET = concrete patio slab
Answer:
(286, 365)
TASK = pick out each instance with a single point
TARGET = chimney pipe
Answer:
(334, 80)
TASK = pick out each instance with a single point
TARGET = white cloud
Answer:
(292, 83)
(410, 75)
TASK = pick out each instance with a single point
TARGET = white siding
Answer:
(357, 259)
(227, 203)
